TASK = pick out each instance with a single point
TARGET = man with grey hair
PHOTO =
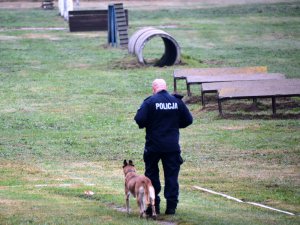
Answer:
(163, 114)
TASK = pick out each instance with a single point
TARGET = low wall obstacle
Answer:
(90, 20)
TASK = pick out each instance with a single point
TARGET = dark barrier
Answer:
(90, 20)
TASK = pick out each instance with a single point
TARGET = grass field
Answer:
(67, 103)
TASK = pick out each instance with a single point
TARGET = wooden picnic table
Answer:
(282, 88)
(179, 74)
(214, 87)
(230, 77)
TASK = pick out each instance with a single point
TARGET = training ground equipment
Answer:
(139, 39)
(183, 74)
(117, 26)
(269, 89)
(47, 4)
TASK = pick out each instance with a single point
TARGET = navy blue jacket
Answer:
(162, 115)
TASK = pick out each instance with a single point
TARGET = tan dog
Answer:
(141, 188)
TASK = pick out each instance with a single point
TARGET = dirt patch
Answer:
(33, 29)
(213, 62)
(124, 210)
(129, 62)
(8, 38)
(19, 166)
(241, 127)
(41, 36)
(30, 36)
(273, 175)
(242, 109)
(192, 99)
(9, 202)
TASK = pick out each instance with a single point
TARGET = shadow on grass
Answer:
(280, 116)
(243, 110)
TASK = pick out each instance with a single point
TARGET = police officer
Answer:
(162, 115)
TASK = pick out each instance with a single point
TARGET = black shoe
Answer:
(157, 210)
(170, 211)
(149, 211)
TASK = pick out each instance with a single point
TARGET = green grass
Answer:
(67, 103)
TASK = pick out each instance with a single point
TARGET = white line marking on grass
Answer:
(271, 208)
(218, 193)
(241, 201)
(61, 185)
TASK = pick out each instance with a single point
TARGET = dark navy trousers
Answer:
(171, 162)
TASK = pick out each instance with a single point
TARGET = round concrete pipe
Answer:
(139, 39)
(135, 36)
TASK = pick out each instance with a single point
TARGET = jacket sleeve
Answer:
(186, 117)
(141, 117)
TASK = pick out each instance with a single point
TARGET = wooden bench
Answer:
(180, 74)
(282, 88)
(230, 77)
(214, 87)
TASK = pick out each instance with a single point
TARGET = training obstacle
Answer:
(90, 20)
(47, 4)
(273, 90)
(140, 38)
(182, 74)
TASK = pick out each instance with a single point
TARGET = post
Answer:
(255, 100)
(274, 105)
(175, 85)
(77, 3)
(112, 29)
(68, 6)
(202, 99)
(220, 107)
(188, 88)
(61, 4)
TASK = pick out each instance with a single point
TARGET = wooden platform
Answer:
(215, 87)
(191, 80)
(180, 74)
(273, 90)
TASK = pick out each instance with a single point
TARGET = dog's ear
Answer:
(125, 163)
(131, 163)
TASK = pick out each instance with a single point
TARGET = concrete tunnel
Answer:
(139, 39)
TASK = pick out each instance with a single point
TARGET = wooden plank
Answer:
(183, 73)
(284, 88)
(266, 91)
(191, 80)
(233, 77)
(214, 87)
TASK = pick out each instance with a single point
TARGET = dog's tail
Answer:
(149, 193)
